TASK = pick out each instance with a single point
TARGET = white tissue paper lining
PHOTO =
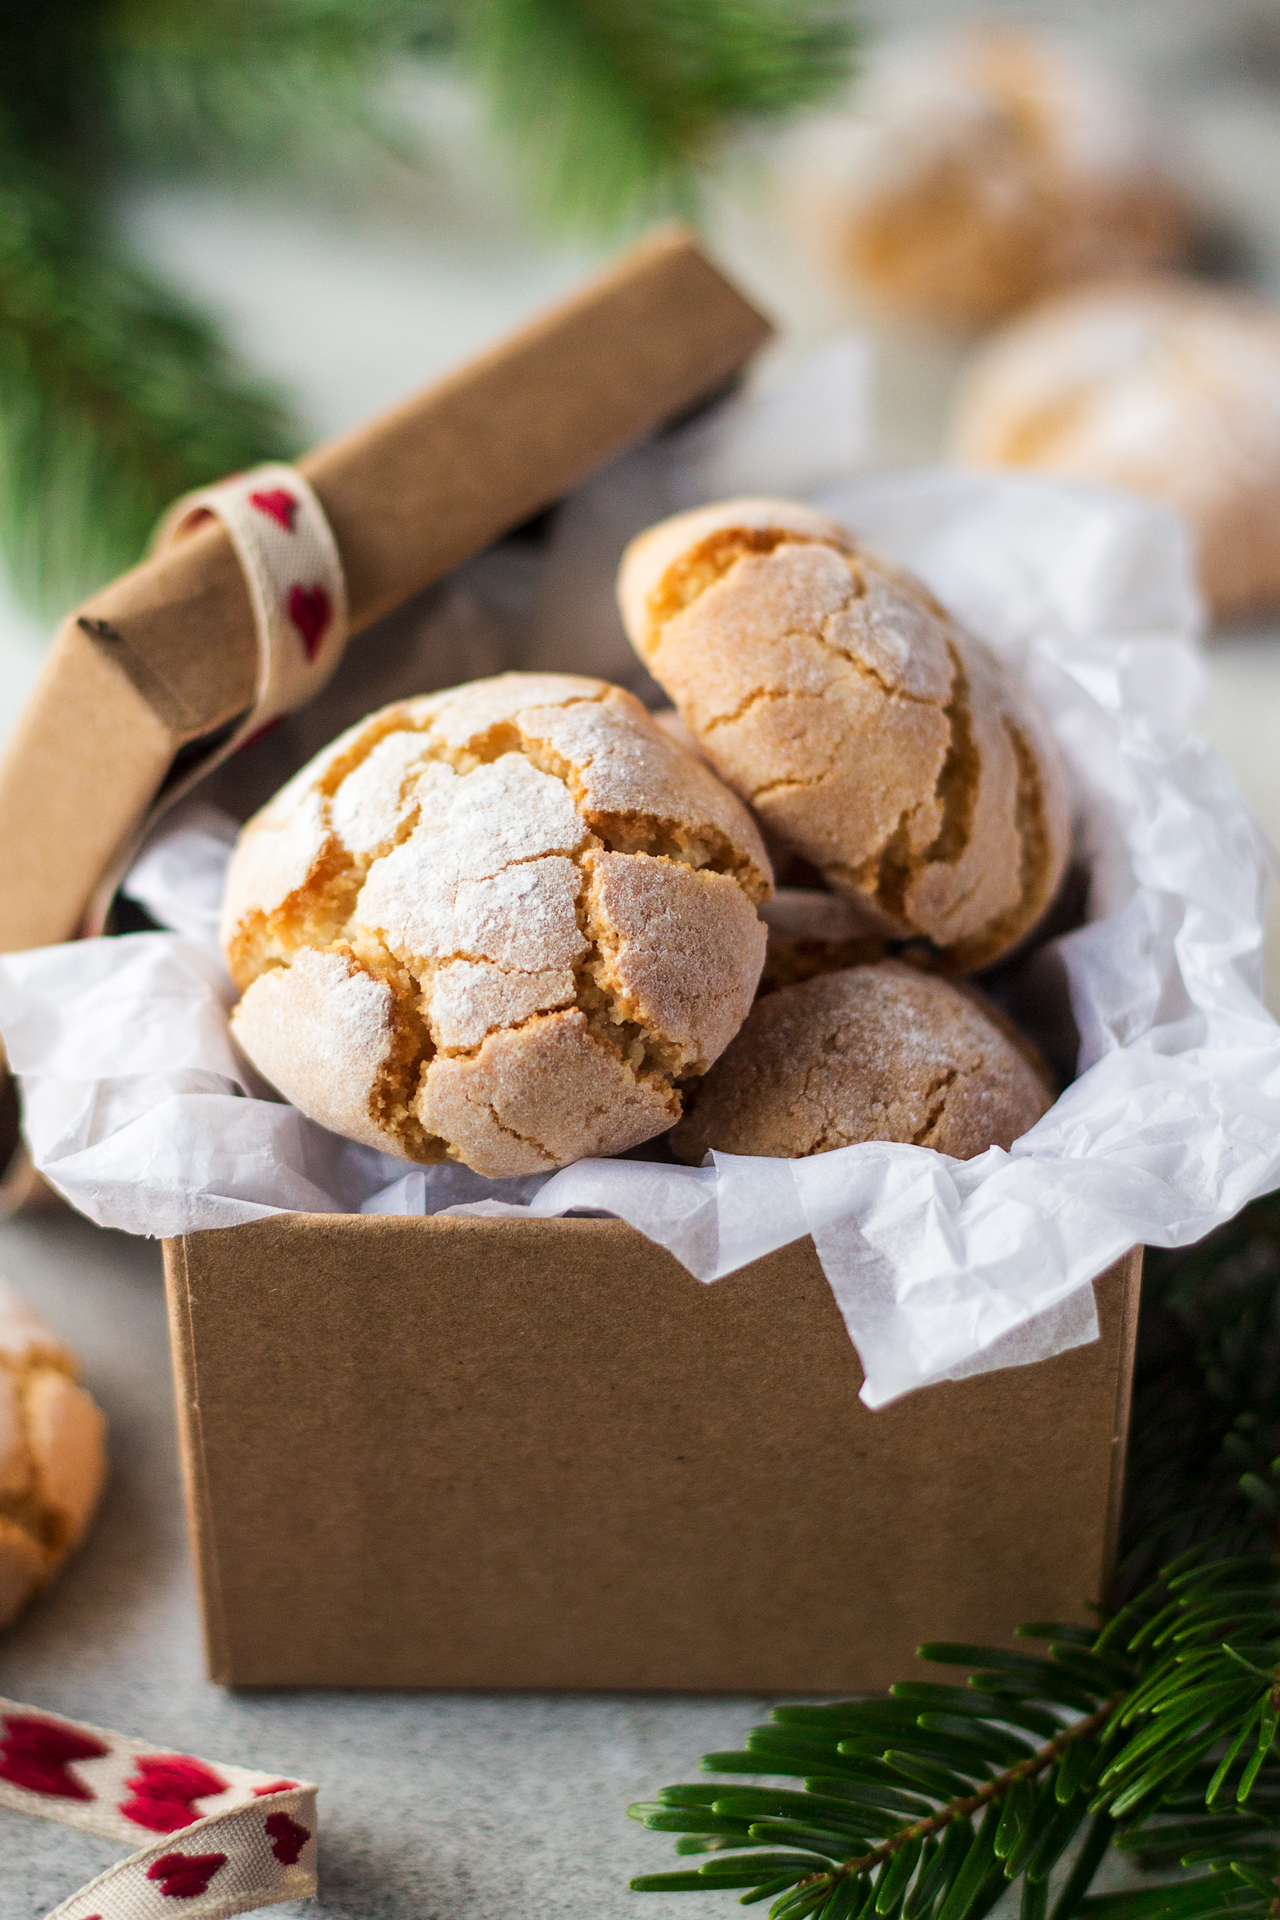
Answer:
(140, 1111)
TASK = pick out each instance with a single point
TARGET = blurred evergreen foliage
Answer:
(114, 394)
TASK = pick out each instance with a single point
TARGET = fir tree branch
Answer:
(1157, 1691)
(114, 397)
(233, 84)
(612, 108)
(998, 1789)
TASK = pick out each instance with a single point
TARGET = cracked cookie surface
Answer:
(52, 1453)
(879, 1052)
(502, 924)
(871, 734)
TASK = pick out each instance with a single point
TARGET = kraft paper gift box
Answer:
(447, 1452)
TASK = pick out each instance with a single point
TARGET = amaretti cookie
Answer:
(501, 924)
(52, 1453)
(880, 1052)
(1166, 388)
(981, 168)
(871, 733)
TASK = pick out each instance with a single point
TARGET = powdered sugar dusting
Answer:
(372, 803)
(524, 917)
(505, 812)
(468, 714)
(322, 1032)
(627, 765)
(448, 851)
(275, 857)
(470, 999)
(444, 891)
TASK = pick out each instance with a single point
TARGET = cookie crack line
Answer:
(610, 1018)
(956, 788)
(810, 1092)
(525, 1139)
(894, 866)
(923, 1135)
(863, 668)
(760, 696)
(608, 1021)
(1032, 832)
(714, 558)
(437, 752)
(773, 787)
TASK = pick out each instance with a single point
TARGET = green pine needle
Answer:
(234, 84)
(613, 108)
(114, 398)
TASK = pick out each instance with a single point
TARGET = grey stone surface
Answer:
(433, 1806)
(438, 1807)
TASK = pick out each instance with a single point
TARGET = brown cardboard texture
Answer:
(538, 1453)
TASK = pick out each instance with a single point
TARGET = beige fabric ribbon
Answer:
(298, 593)
(296, 587)
(211, 1840)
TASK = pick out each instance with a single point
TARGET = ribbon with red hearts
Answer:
(293, 571)
(298, 593)
(229, 1840)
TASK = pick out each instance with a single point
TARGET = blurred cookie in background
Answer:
(1165, 387)
(52, 1453)
(978, 169)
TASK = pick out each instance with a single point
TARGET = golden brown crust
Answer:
(52, 1453)
(538, 1096)
(675, 951)
(496, 924)
(871, 734)
(1165, 388)
(880, 1052)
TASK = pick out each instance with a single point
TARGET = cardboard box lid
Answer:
(409, 497)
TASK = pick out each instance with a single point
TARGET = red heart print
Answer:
(277, 1786)
(277, 505)
(163, 1789)
(287, 1836)
(184, 1876)
(310, 612)
(34, 1754)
